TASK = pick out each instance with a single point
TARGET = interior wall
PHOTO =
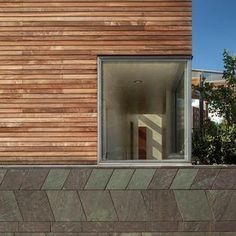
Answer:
(116, 119)
(155, 133)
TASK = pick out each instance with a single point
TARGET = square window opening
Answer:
(144, 109)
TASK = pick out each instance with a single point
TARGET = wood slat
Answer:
(48, 115)
(102, 5)
(83, 145)
(54, 129)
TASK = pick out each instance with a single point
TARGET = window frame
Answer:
(187, 110)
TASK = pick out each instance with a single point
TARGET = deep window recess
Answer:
(144, 109)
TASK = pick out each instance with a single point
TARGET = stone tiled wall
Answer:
(193, 201)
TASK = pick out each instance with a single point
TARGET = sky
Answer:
(214, 29)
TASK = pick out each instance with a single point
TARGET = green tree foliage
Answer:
(213, 143)
(216, 145)
(222, 99)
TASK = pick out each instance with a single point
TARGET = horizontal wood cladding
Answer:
(48, 68)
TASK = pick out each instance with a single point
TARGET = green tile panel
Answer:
(56, 179)
(193, 205)
(99, 179)
(98, 205)
(184, 179)
(129, 205)
(141, 178)
(9, 210)
(66, 205)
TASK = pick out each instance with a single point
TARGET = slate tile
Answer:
(212, 234)
(34, 227)
(6, 234)
(120, 178)
(189, 234)
(9, 210)
(184, 179)
(141, 178)
(13, 179)
(219, 201)
(193, 205)
(77, 178)
(98, 205)
(161, 205)
(30, 234)
(226, 179)
(56, 179)
(162, 226)
(158, 234)
(34, 179)
(137, 226)
(98, 178)
(66, 205)
(225, 226)
(2, 174)
(34, 205)
(66, 227)
(225, 234)
(230, 212)
(129, 205)
(163, 178)
(8, 227)
(126, 234)
(98, 227)
(77, 234)
(205, 178)
(202, 226)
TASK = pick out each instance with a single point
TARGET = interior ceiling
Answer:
(156, 77)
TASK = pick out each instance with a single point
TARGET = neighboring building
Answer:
(95, 123)
(196, 115)
(210, 77)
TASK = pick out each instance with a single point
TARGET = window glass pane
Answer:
(142, 109)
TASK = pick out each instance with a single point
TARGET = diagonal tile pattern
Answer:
(184, 179)
(9, 210)
(56, 179)
(98, 205)
(161, 205)
(163, 178)
(13, 179)
(120, 178)
(225, 179)
(141, 179)
(34, 179)
(120, 201)
(34, 205)
(205, 178)
(99, 178)
(66, 206)
(222, 203)
(126, 202)
(77, 178)
(2, 174)
(193, 205)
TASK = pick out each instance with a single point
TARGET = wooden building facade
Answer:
(48, 68)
